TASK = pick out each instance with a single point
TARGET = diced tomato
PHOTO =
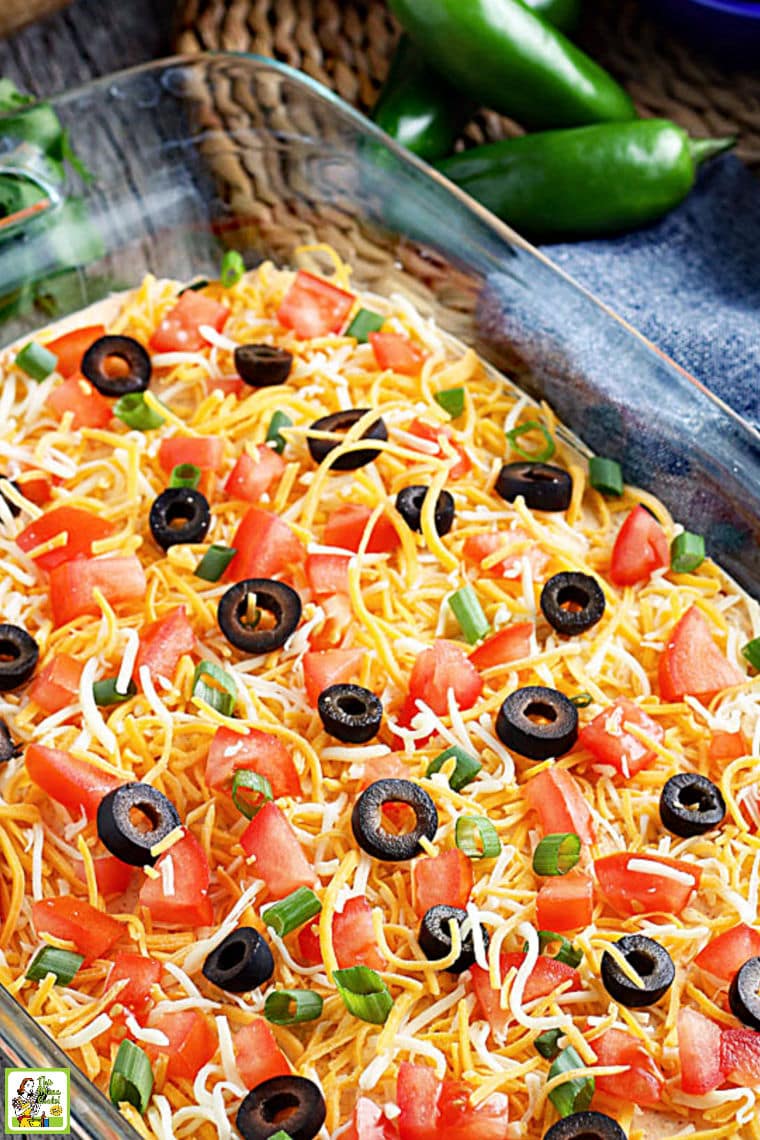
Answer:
(642, 1083)
(478, 547)
(82, 528)
(740, 1056)
(640, 548)
(309, 948)
(565, 902)
(545, 977)
(331, 630)
(507, 645)
(189, 905)
(68, 780)
(192, 1041)
(72, 584)
(417, 1093)
(445, 666)
(369, 1123)
(142, 974)
(727, 746)
(387, 767)
(313, 307)
(442, 880)
(354, 936)
(265, 546)
(92, 932)
(724, 955)
(699, 1052)
(112, 876)
(179, 330)
(204, 451)
(561, 806)
(227, 385)
(255, 751)
(57, 683)
(631, 892)
(77, 395)
(163, 642)
(328, 573)
(279, 859)
(253, 475)
(691, 663)
(430, 1109)
(327, 667)
(609, 742)
(435, 433)
(36, 486)
(257, 1054)
(345, 528)
(71, 347)
(397, 352)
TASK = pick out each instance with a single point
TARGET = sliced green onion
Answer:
(131, 1077)
(546, 1043)
(194, 286)
(185, 475)
(476, 836)
(233, 268)
(557, 854)
(281, 1135)
(278, 420)
(106, 693)
(49, 960)
(543, 454)
(574, 1095)
(605, 475)
(254, 783)
(292, 911)
(214, 562)
(223, 695)
(288, 1007)
(363, 324)
(687, 552)
(469, 613)
(465, 769)
(582, 700)
(567, 953)
(364, 994)
(36, 361)
(751, 652)
(451, 400)
(133, 411)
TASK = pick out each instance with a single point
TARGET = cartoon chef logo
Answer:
(36, 1098)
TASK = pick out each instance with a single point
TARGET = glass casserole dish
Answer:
(187, 158)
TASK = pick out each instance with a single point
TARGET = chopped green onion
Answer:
(233, 268)
(278, 420)
(243, 778)
(546, 1043)
(280, 1135)
(194, 286)
(605, 475)
(363, 324)
(687, 552)
(465, 769)
(541, 456)
(567, 953)
(223, 695)
(451, 400)
(49, 960)
(131, 1077)
(36, 361)
(135, 413)
(469, 613)
(476, 836)
(364, 994)
(214, 562)
(288, 1007)
(106, 693)
(185, 475)
(557, 854)
(574, 1095)
(582, 700)
(292, 911)
(751, 652)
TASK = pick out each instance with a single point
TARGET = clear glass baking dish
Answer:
(189, 156)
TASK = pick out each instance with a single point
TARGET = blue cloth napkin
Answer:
(691, 283)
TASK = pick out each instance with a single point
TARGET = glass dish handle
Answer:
(27, 163)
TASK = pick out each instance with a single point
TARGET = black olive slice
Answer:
(572, 602)
(14, 508)
(19, 654)
(537, 722)
(350, 713)
(126, 349)
(743, 996)
(338, 423)
(241, 962)
(282, 1104)
(691, 804)
(179, 515)
(651, 962)
(252, 596)
(586, 1126)
(409, 502)
(132, 819)
(435, 937)
(262, 365)
(367, 820)
(9, 748)
(543, 486)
